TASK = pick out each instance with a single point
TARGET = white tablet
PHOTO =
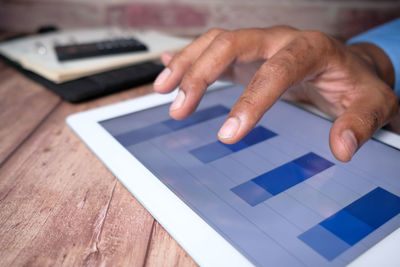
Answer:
(276, 198)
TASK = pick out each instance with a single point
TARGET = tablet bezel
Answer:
(200, 240)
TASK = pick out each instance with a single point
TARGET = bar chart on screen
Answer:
(278, 195)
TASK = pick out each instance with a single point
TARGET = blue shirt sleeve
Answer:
(386, 37)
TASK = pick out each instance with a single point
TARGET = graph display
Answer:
(278, 195)
(350, 225)
(217, 150)
(280, 179)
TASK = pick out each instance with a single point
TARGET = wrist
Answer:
(378, 60)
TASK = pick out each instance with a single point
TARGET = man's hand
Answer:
(347, 82)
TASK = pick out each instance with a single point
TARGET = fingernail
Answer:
(178, 102)
(162, 76)
(229, 128)
(350, 141)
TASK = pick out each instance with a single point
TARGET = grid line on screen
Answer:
(168, 126)
(268, 196)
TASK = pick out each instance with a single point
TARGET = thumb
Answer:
(359, 122)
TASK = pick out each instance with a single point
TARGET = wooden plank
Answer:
(126, 233)
(23, 105)
(165, 251)
(59, 205)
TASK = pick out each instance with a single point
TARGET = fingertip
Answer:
(164, 83)
(180, 108)
(179, 101)
(162, 76)
(343, 144)
(228, 132)
(177, 114)
(349, 141)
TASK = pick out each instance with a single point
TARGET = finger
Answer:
(239, 46)
(169, 78)
(166, 58)
(290, 65)
(358, 123)
(241, 74)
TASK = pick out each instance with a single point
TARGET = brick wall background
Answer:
(341, 18)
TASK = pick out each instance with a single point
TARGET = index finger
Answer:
(301, 59)
(240, 46)
(170, 77)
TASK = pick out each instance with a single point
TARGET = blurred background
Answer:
(340, 18)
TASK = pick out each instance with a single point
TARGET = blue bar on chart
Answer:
(217, 149)
(168, 126)
(281, 178)
(342, 230)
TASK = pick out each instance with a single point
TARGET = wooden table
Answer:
(59, 205)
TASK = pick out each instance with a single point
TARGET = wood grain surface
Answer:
(24, 104)
(59, 205)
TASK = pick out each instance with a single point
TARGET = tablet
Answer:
(278, 197)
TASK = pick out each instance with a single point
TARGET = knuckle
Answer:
(373, 120)
(383, 107)
(314, 35)
(279, 68)
(370, 120)
(226, 39)
(317, 39)
(284, 28)
(215, 31)
(247, 102)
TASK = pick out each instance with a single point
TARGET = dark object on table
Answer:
(100, 48)
(98, 85)
(47, 29)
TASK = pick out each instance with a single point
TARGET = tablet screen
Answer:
(278, 196)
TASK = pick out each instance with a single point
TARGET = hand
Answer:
(307, 65)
